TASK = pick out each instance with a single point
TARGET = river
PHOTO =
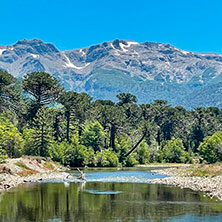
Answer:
(108, 195)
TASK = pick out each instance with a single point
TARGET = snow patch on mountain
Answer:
(34, 56)
(1, 51)
(185, 52)
(81, 51)
(111, 44)
(122, 47)
(129, 43)
(69, 64)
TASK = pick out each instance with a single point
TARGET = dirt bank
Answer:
(29, 169)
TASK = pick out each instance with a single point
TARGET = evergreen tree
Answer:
(10, 92)
(93, 136)
(76, 106)
(125, 98)
(43, 88)
(42, 134)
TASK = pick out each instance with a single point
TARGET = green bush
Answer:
(173, 152)
(107, 158)
(211, 148)
(60, 152)
(155, 153)
(29, 149)
(123, 146)
(143, 153)
(83, 156)
(93, 136)
(11, 141)
(131, 160)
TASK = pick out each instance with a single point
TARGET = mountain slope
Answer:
(148, 70)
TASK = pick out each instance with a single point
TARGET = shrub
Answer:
(143, 153)
(173, 152)
(107, 158)
(11, 141)
(211, 148)
(93, 136)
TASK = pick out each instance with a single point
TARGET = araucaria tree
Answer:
(75, 106)
(43, 88)
(68, 127)
(9, 92)
(42, 134)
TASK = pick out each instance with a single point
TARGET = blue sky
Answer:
(194, 25)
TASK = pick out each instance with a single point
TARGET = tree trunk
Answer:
(137, 144)
(158, 137)
(42, 142)
(112, 137)
(67, 126)
(56, 128)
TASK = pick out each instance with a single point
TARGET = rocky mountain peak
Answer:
(149, 70)
(36, 46)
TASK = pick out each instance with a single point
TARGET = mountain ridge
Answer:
(149, 70)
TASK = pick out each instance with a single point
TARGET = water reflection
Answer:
(136, 202)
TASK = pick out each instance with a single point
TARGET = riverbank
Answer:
(205, 178)
(29, 169)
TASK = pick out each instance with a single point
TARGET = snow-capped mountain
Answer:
(148, 70)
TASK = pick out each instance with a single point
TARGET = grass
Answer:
(49, 166)
(26, 170)
(201, 170)
(209, 170)
(22, 165)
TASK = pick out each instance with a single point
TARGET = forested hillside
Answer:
(38, 117)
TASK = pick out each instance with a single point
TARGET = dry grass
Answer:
(27, 172)
(201, 170)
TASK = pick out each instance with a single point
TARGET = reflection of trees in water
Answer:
(39, 202)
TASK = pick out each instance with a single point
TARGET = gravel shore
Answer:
(211, 186)
(32, 169)
(10, 181)
(29, 169)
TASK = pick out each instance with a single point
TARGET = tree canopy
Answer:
(71, 128)
(44, 88)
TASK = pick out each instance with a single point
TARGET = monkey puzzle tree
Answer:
(42, 134)
(9, 92)
(43, 88)
(75, 105)
(126, 98)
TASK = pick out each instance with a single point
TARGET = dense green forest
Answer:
(39, 118)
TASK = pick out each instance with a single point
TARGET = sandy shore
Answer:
(212, 186)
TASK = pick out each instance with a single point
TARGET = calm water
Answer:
(107, 196)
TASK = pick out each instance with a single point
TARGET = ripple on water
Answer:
(108, 192)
